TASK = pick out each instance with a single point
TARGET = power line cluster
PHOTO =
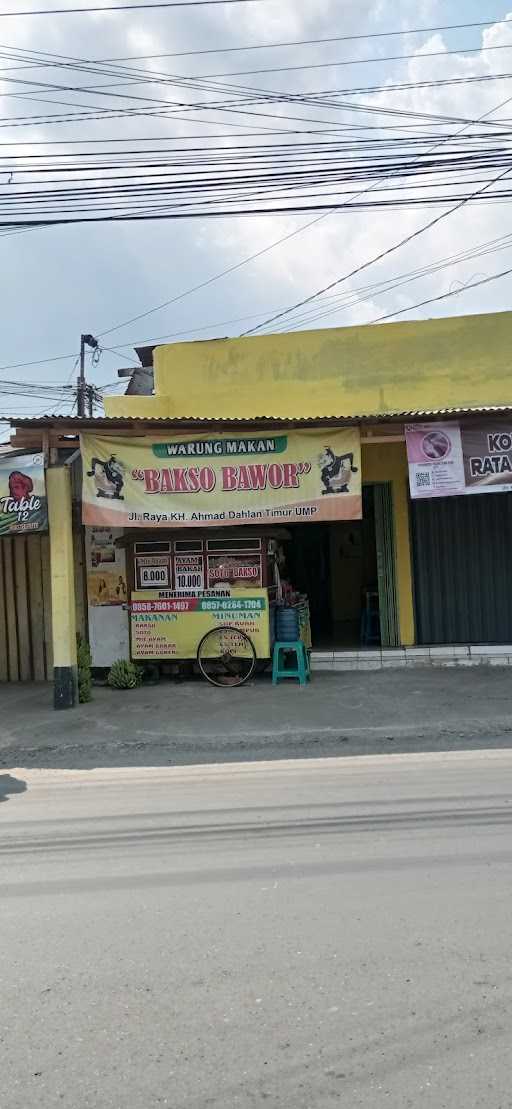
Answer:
(128, 77)
(283, 180)
(37, 390)
(348, 143)
(247, 150)
(56, 396)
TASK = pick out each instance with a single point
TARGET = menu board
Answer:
(188, 573)
(171, 627)
(235, 569)
(152, 570)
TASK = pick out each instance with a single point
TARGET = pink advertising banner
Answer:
(453, 459)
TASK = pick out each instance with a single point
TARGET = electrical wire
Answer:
(214, 278)
(37, 362)
(343, 151)
(306, 42)
(187, 82)
(211, 280)
(174, 193)
(443, 296)
(113, 113)
(390, 250)
(354, 297)
(342, 302)
(351, 298)
(249, 94)
(149, 76)
(187, 331)
(271, 245)
(360, 61)
(128, 7)
(88, 64)
(317, 98)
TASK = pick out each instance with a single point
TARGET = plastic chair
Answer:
(300, 670)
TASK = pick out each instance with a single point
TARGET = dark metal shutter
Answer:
(462, 569)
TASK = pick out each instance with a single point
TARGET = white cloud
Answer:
(341, 242)
(281, 19)
(61, 282)
(143, 41)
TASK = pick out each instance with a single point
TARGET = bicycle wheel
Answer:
(226, 656)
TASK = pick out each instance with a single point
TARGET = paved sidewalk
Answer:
(179, 723)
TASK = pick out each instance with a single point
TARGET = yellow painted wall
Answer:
(463, 361)
(58, 487)
(388, 462)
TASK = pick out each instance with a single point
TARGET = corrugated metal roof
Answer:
(193, 421)
(183, 421)
(480, 411)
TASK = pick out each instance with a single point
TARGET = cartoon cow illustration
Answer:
(335, 471)
(108, 477)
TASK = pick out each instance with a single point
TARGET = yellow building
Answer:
(424, 366)
(396, 576)
(418, 366)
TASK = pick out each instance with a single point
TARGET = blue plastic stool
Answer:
(300, 670)
(370, 619)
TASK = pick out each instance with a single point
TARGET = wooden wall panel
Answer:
(4, 669)
(36, 607)
(21, 601)
(10, 609)
(26, 605)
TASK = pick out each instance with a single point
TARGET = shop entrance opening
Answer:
(347, 569)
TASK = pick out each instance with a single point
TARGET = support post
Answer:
(58, 484)
(84, 391)
(404, 560)
(80, 384)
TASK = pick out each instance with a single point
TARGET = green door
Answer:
(386, 564)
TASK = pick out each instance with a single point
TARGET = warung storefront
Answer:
(216, 531)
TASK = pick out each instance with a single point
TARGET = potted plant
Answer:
(84, 659)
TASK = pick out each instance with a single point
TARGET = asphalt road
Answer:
(294, 935)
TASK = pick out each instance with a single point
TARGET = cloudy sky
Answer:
(60, 281)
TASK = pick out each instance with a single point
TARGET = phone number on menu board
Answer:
(195, 604)
(230, 605)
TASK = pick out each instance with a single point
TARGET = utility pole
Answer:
(81, 385)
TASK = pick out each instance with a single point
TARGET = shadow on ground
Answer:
(181, 723)
(9, 785)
